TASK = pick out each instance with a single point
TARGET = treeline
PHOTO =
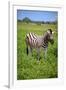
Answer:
(27, 20)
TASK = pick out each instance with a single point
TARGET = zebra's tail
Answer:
(27, 50)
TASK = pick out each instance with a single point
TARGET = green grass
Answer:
(28, 67)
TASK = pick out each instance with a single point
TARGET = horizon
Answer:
(46, 16)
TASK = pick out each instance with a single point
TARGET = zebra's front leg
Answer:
(38, 53)
(45, 53)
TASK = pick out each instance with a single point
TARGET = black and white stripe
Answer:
(32, 38)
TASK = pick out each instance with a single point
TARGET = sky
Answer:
(37, 15)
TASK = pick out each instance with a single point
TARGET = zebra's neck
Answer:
(45, 41)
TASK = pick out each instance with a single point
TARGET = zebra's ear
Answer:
(48, 32)
(53, 32)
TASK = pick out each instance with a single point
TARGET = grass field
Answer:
(27, 66)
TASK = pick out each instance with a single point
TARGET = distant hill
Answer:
(26, 19)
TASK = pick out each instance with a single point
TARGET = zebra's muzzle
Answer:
(52, 41)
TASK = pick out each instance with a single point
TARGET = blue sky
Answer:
(37, 15)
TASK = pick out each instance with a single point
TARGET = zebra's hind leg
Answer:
(45, 53)
(30, 50)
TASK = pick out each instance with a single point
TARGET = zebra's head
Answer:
(50, 36)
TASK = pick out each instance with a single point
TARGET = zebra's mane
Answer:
(46, 36)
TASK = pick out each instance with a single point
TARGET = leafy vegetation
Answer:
(28, 67)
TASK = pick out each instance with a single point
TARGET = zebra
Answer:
(36, 41)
